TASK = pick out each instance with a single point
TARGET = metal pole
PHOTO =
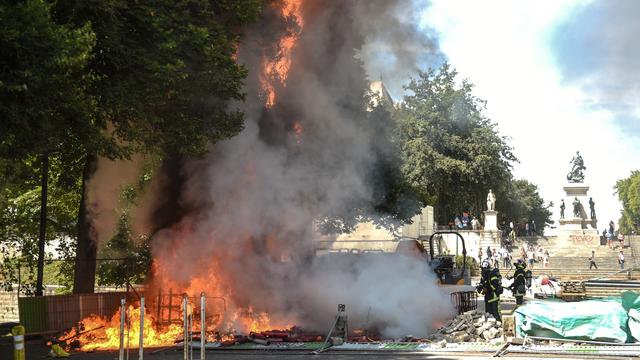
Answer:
(186, 327)
(170, 305)
(122, 310)
(202, 325)
(141, 353)
(191, 334)
(159, 305)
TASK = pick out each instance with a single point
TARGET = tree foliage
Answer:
(451, 153)
(83, 79)
(628, 190)
(19, 221)
(165, 70)
(44, 103)
(523, 203)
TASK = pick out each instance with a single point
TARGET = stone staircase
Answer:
(568, 258)
(569, 261)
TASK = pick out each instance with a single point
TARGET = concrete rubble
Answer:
(472, 326)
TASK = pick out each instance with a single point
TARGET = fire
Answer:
(99, 333)
(275, 70)
(297, 131)
(224, 317)
(254, 321)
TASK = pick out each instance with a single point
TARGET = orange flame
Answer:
(276, 70)
(106, 335)
(297, 131)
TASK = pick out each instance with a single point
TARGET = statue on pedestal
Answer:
(576, 175)
(491, 201)
(592, 207)
(576, 208)
(562, 209)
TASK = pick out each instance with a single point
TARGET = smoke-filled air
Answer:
(238, 224)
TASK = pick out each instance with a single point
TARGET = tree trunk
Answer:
(43, 224)
(86, 252)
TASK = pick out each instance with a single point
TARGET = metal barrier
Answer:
(464, 301)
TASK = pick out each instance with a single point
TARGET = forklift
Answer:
(444, 265)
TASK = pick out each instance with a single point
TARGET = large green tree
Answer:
(628, 190)
(166, 72)
(47, 117)
(522, 204)
(84, 79)
(451, 153)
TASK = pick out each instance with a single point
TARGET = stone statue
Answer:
(491, 201)
(562, 209)
(576, 175)
(576, 208)
(592, 207)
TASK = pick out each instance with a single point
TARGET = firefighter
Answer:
(491, 286)
(518, 287)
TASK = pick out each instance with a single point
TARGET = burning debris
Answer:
(98, 333)
(237, 224)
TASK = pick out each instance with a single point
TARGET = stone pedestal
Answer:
(580, 230)
(491, 220)
(572, 224)
(580, 191)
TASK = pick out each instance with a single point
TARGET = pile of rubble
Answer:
(472, 326)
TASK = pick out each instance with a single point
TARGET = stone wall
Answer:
(369, 237)
(8, 306)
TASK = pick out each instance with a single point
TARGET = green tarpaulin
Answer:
(631, 303)
(611, 319)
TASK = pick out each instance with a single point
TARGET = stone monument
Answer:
(491, 215)
(578, 226)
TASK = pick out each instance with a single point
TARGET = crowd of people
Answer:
(511, 230)
(465, 222)
(612, 236)
(529, 254)
(532, 255)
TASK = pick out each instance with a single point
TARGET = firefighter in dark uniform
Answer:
(491, 286)
(518, 287)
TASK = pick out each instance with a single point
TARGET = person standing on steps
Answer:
(621, 260)
(592, 260)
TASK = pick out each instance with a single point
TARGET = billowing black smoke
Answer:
(244, 229)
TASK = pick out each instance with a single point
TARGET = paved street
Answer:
(35, 350)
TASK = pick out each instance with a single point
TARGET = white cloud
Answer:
(504, 49)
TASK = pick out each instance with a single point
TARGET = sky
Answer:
(558, 76)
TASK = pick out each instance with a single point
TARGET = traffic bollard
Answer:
(18, 342)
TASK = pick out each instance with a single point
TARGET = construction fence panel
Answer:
(33, 313)
(57, 313)
(464, 301)
(64, 311)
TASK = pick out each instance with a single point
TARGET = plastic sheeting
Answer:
(631, 303)
(612, 319)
